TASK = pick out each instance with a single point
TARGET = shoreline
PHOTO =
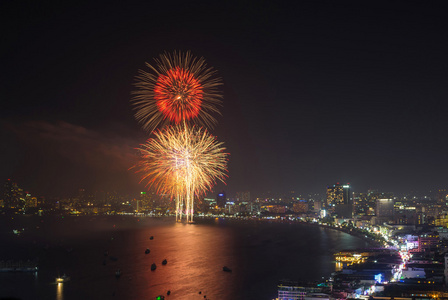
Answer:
(352, 233)
(345, 230)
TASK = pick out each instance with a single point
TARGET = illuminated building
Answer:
(411, 272)
(385, 208)
(13, 196)
(406, 216)
(364, 204)
(338, 198)
(290, 290)
(286, 292)
(442, 196)
(421, 219)
(254, 207)
(274, 208)
(360, 204)
(430, 211)
(208, 204)
(338, 194)
(301, 206)
(317, 205)
(442, 220)
(350, 257)
(30, 201)
(221, 199)
(232, 208)
(322, 213)
(243, 197)
(428, 242)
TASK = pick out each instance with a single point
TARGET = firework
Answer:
(178, 88)
(183, 162)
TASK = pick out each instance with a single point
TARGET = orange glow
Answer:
(183, 162)
(178, 95)
(178, 88)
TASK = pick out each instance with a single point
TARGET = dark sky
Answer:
(315, 92)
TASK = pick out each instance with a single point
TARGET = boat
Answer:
(226, 269)
(118, 273)
(147, 251)
(151, 237)
(153, 267)
(164, 262)
(62, 279)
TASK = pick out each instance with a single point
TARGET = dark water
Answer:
(259, 254)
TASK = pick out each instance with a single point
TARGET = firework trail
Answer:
(178, 88)
(183, 162)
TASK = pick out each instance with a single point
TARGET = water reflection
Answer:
(259, 254)
(195, 255)
(59, 291)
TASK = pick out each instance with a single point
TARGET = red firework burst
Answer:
(179, 88)
(178, 95)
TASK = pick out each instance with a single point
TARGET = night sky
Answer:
(314, 92)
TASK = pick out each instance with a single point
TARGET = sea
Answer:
(90, 250)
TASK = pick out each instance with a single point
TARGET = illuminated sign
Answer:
(378, 278)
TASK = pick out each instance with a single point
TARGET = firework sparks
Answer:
(179, 88)
(183, 162)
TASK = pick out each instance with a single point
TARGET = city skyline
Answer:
(253, 195)
(313, 94)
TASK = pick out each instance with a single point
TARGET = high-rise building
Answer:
(316, 205)
(385, 208)
(207, 204)
(338, 194)
(300, 206)
(243, 197)
(364, 204)
(13, 196)
(221, 199)
(360, 207)
(428, 242)
(30, 201)
(339, 200)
